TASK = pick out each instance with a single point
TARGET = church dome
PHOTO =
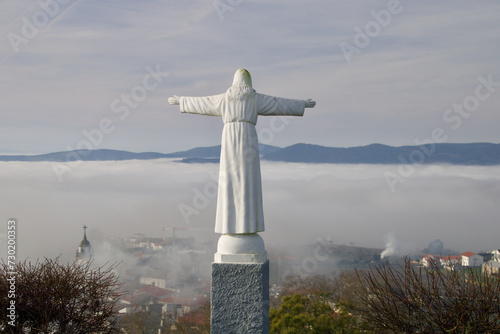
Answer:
(85, 243)
(84, 251)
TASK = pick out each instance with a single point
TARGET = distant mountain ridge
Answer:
(198, 154)
(458, 154)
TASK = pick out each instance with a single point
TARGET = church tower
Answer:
(84, 251)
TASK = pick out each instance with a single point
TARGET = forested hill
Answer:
(458, 154)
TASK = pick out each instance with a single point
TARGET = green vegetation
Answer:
(301, 314)
(315, 304)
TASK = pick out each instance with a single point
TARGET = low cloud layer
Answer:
(347, 203)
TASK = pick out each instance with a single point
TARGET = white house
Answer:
(496, 255)
(470, 259)
(449, 262)
(491, 267)
(428, 260)
(153, 281)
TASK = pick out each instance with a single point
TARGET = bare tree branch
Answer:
(409, 299)
(61, 298)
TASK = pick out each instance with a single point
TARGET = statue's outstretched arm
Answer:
(310, 103)
(173, 100)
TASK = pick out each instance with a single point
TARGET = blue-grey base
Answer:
(240, 298)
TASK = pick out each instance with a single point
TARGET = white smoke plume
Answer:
(390, 246)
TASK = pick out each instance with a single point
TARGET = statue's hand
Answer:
(173, 100)
(310, 103)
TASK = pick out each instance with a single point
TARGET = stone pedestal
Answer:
(240, 286)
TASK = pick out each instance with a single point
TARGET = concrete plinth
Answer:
(240, 298)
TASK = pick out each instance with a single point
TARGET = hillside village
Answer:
(168, 278)
(489, 262)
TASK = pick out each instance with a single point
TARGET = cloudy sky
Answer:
(93, 74)
(380, 71)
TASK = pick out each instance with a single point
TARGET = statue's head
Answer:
(242, 78)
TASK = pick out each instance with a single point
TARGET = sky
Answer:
(380, 71)
(92, 74)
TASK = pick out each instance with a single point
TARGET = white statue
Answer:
(239, 201)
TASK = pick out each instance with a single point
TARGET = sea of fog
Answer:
(303, 203)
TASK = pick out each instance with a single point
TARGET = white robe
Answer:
(239, 199)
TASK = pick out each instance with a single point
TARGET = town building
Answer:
(84, 251)
(470, 259)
